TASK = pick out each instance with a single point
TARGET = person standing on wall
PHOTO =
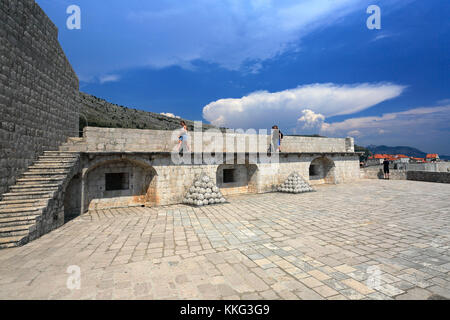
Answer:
(386, 168)
(280, 137)
(275, 143)
(183, 138)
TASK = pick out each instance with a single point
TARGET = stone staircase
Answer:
(35, 205)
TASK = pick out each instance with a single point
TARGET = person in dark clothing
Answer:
(386, 168)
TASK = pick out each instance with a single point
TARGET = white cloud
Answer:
(410, 120)
(109, 78)
(249, 30)
(309, 122)
(310, 118)
(261, 109)
(234, 34)
(425, 128)
(354, 133)
(168, 114)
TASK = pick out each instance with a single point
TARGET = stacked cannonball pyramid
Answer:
(295, 184)
(203, 192)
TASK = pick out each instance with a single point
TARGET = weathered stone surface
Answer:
(38, 89)
(134, 253)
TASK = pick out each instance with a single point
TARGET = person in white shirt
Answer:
(183, 138)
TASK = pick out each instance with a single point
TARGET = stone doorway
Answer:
(237, 178)
(321, 171)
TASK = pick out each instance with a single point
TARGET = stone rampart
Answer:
(38, 89)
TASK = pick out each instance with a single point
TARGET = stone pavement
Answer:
(372, 239)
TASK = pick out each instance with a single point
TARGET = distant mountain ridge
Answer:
(408, 151)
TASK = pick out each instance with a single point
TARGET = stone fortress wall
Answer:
(161, 182)
(429, 172)
(97, 139)
(38, 89)
(130, 153)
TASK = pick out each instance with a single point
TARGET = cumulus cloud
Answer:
(169, 114)
(310, 121)
(413, 127)
(261, 109)
(109, 78)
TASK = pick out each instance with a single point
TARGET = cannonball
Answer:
(222, 200)
(207, 195)
(199, 203)
(200, 197)
(205, 179)
(205, 202)
(208, 190)
(210, 185)
(215, 189)
(212, 201)
(202, 191)
(192, 189)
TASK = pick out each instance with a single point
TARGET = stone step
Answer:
(10, 242)
(40, 166)
(19, 203)
(47, 170)
(20, 210)
(24, 206)
(41, 174)
(56, 161)
(34, 187)
(20, 230)
(18, 220)
(61, 153)
(34, 191)
(41, 180)
(27, 195)
(58, 158)
(23, 213)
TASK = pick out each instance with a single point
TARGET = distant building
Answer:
(375, 159)
(432, 157)
(401, 158)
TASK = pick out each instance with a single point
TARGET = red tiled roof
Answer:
(432, 156)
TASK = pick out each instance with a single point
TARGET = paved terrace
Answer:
(372, 239)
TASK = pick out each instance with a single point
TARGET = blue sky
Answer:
(310, 66)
